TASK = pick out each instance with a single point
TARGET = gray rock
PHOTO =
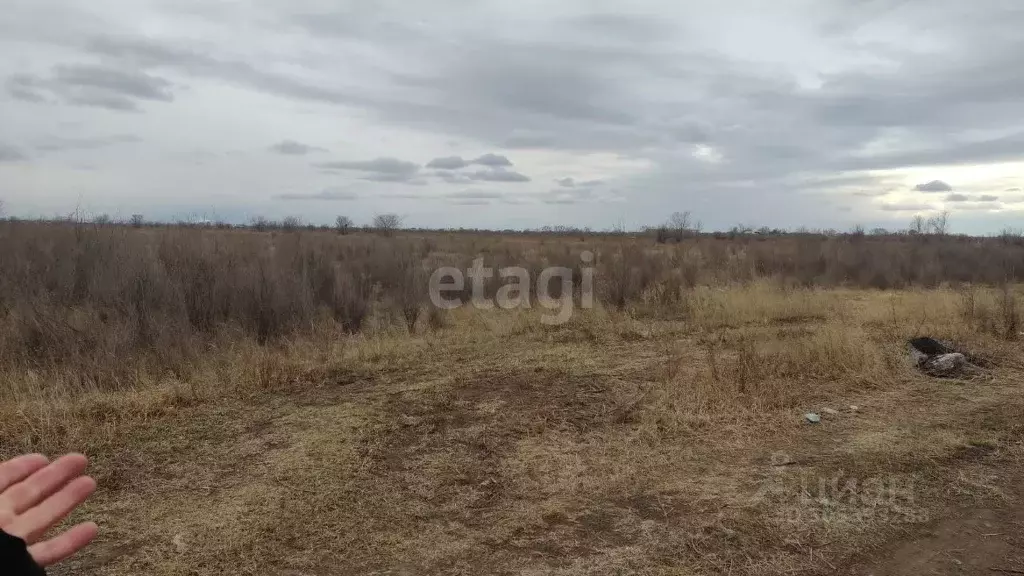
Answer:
(939, 359)
(812, 417)
(946, 364)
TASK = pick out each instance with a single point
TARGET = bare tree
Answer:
(386, 224)
(291, 223)
(343, 224)
(939, 223)
(918, 224)
(679, 221)
(137, 220)
(261, 223)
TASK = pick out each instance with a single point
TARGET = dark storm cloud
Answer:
(448, 163)
(293, 148)
(934, 186)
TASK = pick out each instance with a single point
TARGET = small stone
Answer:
(812, 417)
(782, 459)
(854, 407)
(179, 543)
(407, 421)
(830, 411)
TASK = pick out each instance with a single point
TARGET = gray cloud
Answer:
(125, 82)
(67, 143)
(957, 198)
(326, 194)
(570, 182)
(11, 154)
(906, 207)
(471, 202)
(934, 186)
(149, 53)
(988, 198)
(403, 196)
(452, 177)
(872, 193)
(101, 86)
(293, 148)
(493, 160)
(410, 179)
(979, 206)
(448, 163)
(535, 140)
(25, 87)
(383, 165)
(476, 194)
(1013, 189)
(498, 176)
(846, 94)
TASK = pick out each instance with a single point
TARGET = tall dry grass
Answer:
(103, 303)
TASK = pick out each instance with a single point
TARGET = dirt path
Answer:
(966, 541)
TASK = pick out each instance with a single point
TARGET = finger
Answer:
(32, 524)
(42, 483)
(17, 469)
(64, 546)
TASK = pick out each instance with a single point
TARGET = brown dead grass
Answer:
(619, 443)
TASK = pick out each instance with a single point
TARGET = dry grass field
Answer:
(289, 404)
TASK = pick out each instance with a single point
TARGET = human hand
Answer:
(35, 495)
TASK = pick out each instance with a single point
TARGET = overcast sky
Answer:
(818, 113)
